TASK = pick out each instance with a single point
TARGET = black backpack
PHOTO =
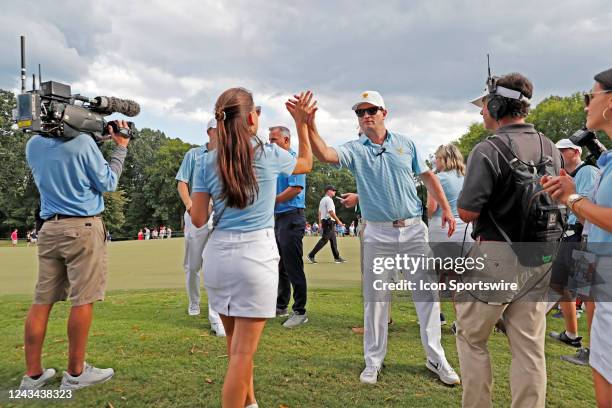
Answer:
(541, 220)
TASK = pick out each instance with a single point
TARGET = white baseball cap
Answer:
(371, 97)
(212, 124)
(567, 144)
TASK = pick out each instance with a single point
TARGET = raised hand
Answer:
(302, 107)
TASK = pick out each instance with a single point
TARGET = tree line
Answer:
(147, 194)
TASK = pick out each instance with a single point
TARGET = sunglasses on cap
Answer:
(588, 97)
(370, 111)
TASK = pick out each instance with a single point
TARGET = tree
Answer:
(159, 191)
(114, 205)
(19, 197)
(559, 117)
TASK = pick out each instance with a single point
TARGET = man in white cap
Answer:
(585, 177)
(194, 244)
(384, 164)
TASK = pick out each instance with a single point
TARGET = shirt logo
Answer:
(400, 150)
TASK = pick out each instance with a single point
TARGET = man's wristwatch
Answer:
(573, 199)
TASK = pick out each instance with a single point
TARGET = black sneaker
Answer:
(282, 312)
(340, 260)
(311, 259)
(442, 319)
(562, 337)
(454, 328)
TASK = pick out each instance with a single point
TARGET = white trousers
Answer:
(195, 241)
(376, 313)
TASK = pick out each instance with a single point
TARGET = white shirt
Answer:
(325, 206)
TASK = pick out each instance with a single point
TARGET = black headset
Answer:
(498, 98)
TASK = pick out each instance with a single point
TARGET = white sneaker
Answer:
(444, 371)
(194, 310)
(90, 376)
(28, 383)
(369, 375)
(218, 329)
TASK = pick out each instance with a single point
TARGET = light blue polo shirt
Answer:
(186, 172)
(385, 183)
(71, 175)
(603, 197)
(585, 184)
(270, 161)
(294, 180)
(452, 184)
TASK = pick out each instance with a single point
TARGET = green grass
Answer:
(164, 358)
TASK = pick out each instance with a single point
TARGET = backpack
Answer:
(541, 220)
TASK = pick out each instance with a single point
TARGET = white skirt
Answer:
(241, 273)
(601, 332)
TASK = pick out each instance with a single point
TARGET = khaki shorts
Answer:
(71, 261)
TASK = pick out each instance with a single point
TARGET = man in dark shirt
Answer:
(488, 196)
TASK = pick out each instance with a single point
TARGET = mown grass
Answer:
(164, 358)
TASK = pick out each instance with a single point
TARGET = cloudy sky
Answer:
(427, 58)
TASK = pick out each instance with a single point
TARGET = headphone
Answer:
(498, 98)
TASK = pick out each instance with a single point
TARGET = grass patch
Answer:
(164, 358)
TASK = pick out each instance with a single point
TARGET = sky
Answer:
(426, 58)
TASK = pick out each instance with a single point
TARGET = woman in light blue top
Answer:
(241, 258)
(450, 169)
(596, 214)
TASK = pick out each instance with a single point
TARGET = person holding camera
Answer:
(241, 257)
(595, 212)
(71, 174)
(327, 221)
(489, 200)
(585, 176)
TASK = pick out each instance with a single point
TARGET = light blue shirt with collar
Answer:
(585, 184)
(270, 161)
(600, 240)
(193, 158)
(385, 176)
(71, 175)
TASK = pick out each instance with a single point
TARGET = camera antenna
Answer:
(39, 77)
(33, 82)
(23, 67)
(488, 66)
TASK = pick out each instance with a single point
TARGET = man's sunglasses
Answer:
(370, 111)
(588, 97)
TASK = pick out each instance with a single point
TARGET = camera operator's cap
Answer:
(371, 97)
(480, 100)
(212, 124)
(567, 144)
(330, 187)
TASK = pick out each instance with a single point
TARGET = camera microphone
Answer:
(109, 104)
(381, 151)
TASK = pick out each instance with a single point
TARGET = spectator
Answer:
(14, 237)
(140, 235)
(328, 220)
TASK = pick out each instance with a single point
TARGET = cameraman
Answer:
(71, 175)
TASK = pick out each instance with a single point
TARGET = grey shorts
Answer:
(71, 261)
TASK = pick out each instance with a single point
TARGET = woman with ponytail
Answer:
(241, 257)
